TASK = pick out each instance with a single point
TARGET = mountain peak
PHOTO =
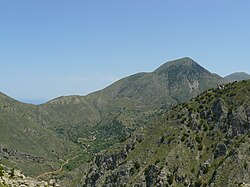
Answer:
(186, 61)
(183, 61)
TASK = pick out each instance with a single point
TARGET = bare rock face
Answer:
(220, 110)
(105, 163)
(110, 164)
(151, 175)
(121, 176)
(233, 121)
(239, 121)
(16, 178)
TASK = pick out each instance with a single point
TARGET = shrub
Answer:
(186, 134)
(137, 165)
(206, 169)
(245, 165)
(123, 139)
(183, 138)
(198, 139)
(201, 107)
(192, 170)
(198, 183)
(200, 147)
(170, 179)
(205, 127)
(212, 127)
(1, 171)
(157, 161)
(162, 139)
(132, 171)
(12, 173)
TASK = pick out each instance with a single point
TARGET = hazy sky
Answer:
(50, 48)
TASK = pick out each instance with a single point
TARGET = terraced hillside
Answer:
(204, 142)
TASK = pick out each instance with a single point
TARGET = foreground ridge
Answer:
(204, 142)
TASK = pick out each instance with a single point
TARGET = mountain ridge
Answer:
(184, 61)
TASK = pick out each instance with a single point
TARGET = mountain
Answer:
(204, 142)
(103, 118)
(64, 134)
(176, 81)
(239, 76)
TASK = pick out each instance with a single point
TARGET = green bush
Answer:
(170, 179)
(157, 161)
(198, 183)
(245, 165)
(137, 165)
(206, 169)
(12, 173)
(198, 139)
(200, 147)
(183, 138)
(1, 171)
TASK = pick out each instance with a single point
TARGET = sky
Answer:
(50, 48)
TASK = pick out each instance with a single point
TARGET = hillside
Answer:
(204, 142)
(24, 143)
(239, 76)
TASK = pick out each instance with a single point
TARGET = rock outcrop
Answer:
(14, 178)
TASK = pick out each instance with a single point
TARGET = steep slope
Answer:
(204, 142)
(239, 76)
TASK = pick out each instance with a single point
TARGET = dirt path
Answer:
(59, 170)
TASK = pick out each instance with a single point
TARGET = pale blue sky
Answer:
(50, 48)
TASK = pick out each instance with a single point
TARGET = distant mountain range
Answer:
(239, 76)
(69, 131)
